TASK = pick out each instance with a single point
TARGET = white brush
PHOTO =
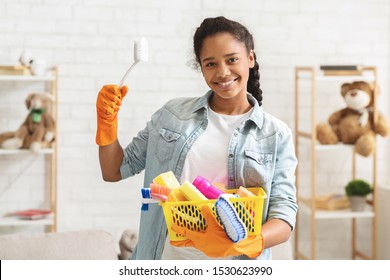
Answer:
(231, 222)
(140, 55)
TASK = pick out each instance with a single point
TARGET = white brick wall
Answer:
(92, 43)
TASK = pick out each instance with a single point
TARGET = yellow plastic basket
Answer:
(188, 213)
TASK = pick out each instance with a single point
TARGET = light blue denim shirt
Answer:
(261, 153)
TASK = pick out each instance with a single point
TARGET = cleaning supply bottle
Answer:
(206, 188)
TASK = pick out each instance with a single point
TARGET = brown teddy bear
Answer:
(355, 123)
(38, 129)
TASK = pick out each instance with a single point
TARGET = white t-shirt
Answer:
(207, 157)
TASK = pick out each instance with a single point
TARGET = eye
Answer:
(209, 64)
(233, 59)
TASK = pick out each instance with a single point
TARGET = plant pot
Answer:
(358, 203)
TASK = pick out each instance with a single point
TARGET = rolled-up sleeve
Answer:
(282, 202)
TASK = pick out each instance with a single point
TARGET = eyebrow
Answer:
(211, 58)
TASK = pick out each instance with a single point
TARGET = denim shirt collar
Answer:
(256, 117)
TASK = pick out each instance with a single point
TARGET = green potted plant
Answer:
(357, 190)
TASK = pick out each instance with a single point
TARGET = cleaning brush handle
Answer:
(121, 83)
(141, 53)
(146, 202)
(150, 200)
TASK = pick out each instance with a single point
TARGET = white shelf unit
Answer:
(50, 84)
(307, 205)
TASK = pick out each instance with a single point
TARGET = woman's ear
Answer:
(251, 59)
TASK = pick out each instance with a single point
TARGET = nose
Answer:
(35, 103)
(223, 71)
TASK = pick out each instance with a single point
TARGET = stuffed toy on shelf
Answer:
(38, 129)
(38, 67)
(355, 123)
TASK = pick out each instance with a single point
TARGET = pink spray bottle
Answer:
(206, 188)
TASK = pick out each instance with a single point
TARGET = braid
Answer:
(253, 84)
(211, 26)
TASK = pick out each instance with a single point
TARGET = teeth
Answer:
(226, 83)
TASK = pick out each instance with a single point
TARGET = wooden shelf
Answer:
(343, 214)
(26, 78)
(322, 78)
(306, 74)
(15, 221)
(320, 147)
(337, 214)
(307, 142)
(25, 152)
(48, 83)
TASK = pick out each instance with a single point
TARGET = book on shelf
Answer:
(342, 70)
(32, 214)
(330, 201)
(15, 70)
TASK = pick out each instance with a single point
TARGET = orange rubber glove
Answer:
(108, 103)
(215, 243)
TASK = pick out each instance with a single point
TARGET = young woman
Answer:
(224, 136)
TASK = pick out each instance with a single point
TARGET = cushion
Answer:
(83, 245)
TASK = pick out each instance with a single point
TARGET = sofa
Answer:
(84, 245)
(74, 245)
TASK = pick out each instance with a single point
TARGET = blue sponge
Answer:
(231, 222)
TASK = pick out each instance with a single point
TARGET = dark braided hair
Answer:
(212, 26)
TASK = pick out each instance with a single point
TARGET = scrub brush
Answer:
(231, 222)
(147, 199)
(140, 55)
(159, 192)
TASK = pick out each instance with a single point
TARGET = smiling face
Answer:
(225, 65)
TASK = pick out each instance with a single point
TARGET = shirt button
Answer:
(230, 155)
